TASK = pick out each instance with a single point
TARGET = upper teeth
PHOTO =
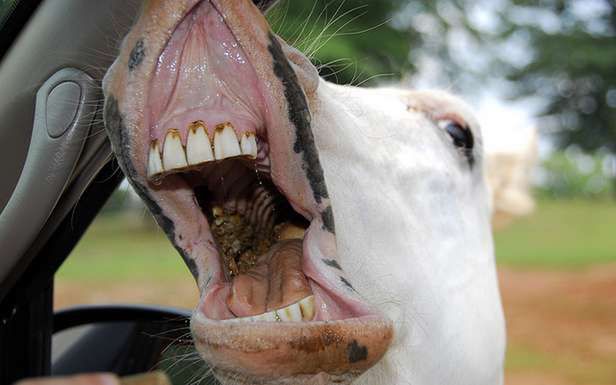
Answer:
(198, 148)
(155, 164)
(299, 311)
(249, 144)
(226, 144)
(174, 155)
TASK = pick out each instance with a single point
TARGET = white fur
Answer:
(413, 232)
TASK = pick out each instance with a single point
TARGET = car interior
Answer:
(58, 171)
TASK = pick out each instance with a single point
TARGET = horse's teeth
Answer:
(290, 313)
(174, 156)
(290, 231)
(226, 144)
(198, 146)
(299, 311)
(265, 317)
(155, 163)
(306, 305)
(249, 145)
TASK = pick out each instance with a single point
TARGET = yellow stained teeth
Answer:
(307, 307)
(198, 146)
(226, 144)
(155, 163)
(267, 317)
(174, 156)
(249, 145)
(300, 311)
(287, 231)
(290, 313)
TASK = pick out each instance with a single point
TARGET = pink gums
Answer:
(203, 74)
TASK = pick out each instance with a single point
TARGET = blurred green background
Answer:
(550, 64)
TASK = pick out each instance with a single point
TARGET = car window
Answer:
(124, 257)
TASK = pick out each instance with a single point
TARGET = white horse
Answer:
(337, 234)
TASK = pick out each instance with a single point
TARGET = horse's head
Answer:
(327, 227)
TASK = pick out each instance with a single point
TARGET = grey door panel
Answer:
(63, 116)
(67, 146)
(62, 33)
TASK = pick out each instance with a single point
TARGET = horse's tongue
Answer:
(275, 282)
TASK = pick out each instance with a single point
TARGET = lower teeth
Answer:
(300, 311)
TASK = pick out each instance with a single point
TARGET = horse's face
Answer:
(321, 222)
(413, 229)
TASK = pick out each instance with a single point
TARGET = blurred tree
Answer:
(356, 41)
(573, 67)
(349, 41)
(573, 173)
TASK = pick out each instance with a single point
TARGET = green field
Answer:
(562, 234)
(115, 248)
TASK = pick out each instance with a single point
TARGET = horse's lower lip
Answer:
(266, 351)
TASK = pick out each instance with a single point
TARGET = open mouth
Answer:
(241, 182)
(209, 130)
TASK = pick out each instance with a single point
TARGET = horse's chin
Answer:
(229, 165)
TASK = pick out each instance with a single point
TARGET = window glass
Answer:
(124, 257)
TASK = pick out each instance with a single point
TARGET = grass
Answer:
(115, 248)
(571, 368)
(561, 234)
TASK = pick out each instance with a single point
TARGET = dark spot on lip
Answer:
(136, 55)
(347, 283)
(121, 146)
(332, 263)
(356, 352)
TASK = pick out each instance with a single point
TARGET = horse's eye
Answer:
(462, 136)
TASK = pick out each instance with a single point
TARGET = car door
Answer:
(54, 154)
